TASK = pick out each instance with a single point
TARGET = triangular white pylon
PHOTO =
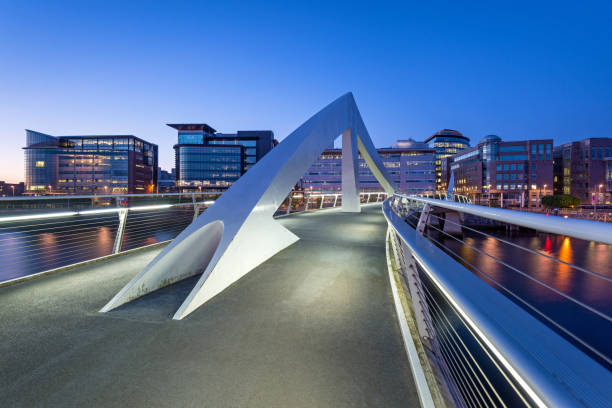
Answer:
(237, 233)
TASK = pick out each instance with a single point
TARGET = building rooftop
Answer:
(490, 139)
(447, 132)
(192, 126)
(409, 144)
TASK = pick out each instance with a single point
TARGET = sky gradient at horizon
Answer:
(518, 70)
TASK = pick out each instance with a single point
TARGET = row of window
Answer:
(516, 187)
(512, 148)
(204, 175)
(92, 181)
(513, 166)
(197, 161)
(514, 176)
(245, 143)
(336, 182)
(367, 173)
(112, 172)
(598, 152)
(450, 144)
(90, 144)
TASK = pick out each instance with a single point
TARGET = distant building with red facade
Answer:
(582, 169)
(495, 172)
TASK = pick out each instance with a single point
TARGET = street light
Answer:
(597, 198)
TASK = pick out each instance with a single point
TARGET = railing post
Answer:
(322, 201)
(306, 206)
(196, 207)
(335, 200)
(289, 204)
(120, 230)
(408, 268)
(423, 219)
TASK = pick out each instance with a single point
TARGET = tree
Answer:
(560, 201)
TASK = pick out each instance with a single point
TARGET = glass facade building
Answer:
(409, 163)
(206, 166)
(105, 164)
(446, 142)
(209, 160)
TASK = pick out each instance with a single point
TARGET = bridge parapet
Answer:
(45, 234)
(495, 347)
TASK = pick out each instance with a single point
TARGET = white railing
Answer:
(577, 228)
(43, 233)
(492, 346)
(330, 200)
(46, 233)
(441, 196)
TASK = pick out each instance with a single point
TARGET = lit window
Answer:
(40, 164)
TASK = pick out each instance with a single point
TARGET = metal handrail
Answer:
(549, 370)
(581, 229)
(522, 248)
(94, 196)
(129, 223)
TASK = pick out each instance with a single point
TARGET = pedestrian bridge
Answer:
(363, 310)
(314, 325)
(341, 300)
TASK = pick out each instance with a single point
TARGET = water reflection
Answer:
(578, 284)
(37, 246)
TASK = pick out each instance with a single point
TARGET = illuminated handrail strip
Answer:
(95, 196)
(94, 211)
(522, 248)
(581, 229)
(548, 368)
(147, 223)
(521, 300)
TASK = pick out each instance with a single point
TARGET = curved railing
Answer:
(50, 233)
(491, 346)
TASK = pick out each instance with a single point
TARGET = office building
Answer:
(166, 181)
(507, 174)
(581, 169)
(11, 189)
(409, 163)
(207, 160)
(105, 164)
(446, 142)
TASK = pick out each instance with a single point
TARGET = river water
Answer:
(39, 245)
(581, 286)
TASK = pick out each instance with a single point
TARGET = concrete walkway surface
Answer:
(314, 326)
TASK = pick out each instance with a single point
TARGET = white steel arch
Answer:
(237, 233)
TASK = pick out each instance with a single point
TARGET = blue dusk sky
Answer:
(517, 69)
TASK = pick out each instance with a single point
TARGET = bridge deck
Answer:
(312, 326)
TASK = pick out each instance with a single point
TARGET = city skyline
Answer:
(105, 68)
